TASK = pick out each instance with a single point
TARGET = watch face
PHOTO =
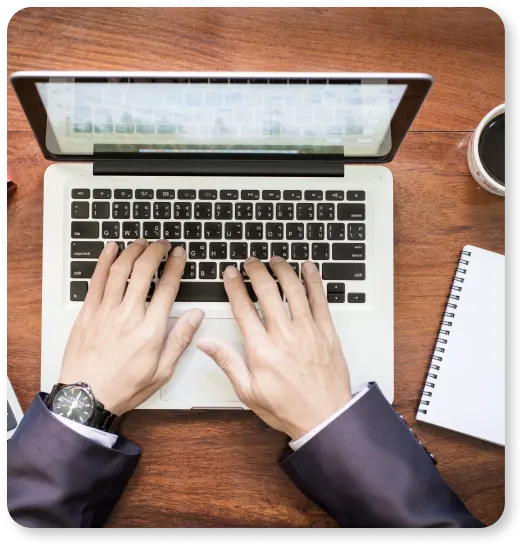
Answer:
(74, 403)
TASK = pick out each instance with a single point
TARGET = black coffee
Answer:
(491, 148)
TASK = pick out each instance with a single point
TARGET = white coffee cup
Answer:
(478, 171)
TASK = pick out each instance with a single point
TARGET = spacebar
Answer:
(196, 291)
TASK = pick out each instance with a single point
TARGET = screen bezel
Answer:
(418, 86)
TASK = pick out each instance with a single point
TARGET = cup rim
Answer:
(501, 108)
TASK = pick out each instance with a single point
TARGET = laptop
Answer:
(229, 165)
(14, 411)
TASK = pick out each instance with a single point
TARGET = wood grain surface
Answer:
(221, 468)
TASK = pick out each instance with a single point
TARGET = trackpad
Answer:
(198, 381)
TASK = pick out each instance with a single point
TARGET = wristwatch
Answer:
(77, 402)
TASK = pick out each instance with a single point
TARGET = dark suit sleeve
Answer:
(58, 478)
(366, 469)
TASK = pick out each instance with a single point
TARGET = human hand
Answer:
(295, 374)
(118, 346)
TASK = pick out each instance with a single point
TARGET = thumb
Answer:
(229, 361)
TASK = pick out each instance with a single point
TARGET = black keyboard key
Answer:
(228, 194)
(85, 230)
(207, 270)
(336, 231)
(250, 194)
(320, 251)
(293, 195)
(325, 211)
(315, 231)
(144, 194)
(102, 193)
(238, 250)
(351, 211)
(161, 267)
(223, 211)
(80, 209)
(78, 291)
(295, 267)
(280, 249)
(314, 195)
(212, 230)
(346, 271)
(151, 230)
(207, 194)
(175, 244)
(141, 210)
(218, 250)
(269, 270)
(285, 211)
(335, 195)
(110, 230)
(207, 292)
(131, 230)
(121, 246)
(243, 211)
(165, 194)
(86, 249)
(182, 210)
(356, 195)
(254, 230)
(259, 250)
(357, 298)
(264, 211)
(349, 251)
(192, 230)
(336, 288)
(294, 230)
(305, 211)
(80, 193)
(121, 209)
(123, 194)
(203, 210)
(233, 230)
(82, 269)
(197, 251)
(150, 292)
(161, 210)
(356, 231)
(300, 251)
(187, 194)
(223, 266)
(100, 209)
(243, 271)
(189, 273)
(335, 298)
(271, 195)
(274, 230)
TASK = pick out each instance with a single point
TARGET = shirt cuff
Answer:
(101, 437)
(295, 445)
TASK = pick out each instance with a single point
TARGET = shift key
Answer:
(344, 271)
(82, 269)
(85, 230)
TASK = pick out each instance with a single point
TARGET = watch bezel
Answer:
(87, 390)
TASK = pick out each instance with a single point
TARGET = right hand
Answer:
(295, 375)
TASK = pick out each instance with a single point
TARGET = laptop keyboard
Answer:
(219, 228)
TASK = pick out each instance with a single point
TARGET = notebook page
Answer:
(469, 390)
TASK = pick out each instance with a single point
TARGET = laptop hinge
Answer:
(217, 167)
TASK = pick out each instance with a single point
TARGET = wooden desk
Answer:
(220, 468)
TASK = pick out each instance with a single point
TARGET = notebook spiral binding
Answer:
(444, 331)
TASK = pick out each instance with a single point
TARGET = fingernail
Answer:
(195, 318)
(276, 259)
(309, 267)
(251, 259)
(111, 247)
(142, 241)
(231, 272)
(178, 251)
(163, 241)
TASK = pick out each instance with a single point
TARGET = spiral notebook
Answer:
(464, 388)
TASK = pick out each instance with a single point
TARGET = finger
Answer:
(167, 288)
(293, 289)
(267, 292)
(120, 271)
(143, 272)
(317, 297)
(230, 362)
(177, 341)
(98, 282)
(242, 306)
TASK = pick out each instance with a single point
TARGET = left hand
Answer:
(118, 346)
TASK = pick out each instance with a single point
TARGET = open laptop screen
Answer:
(92, 117)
